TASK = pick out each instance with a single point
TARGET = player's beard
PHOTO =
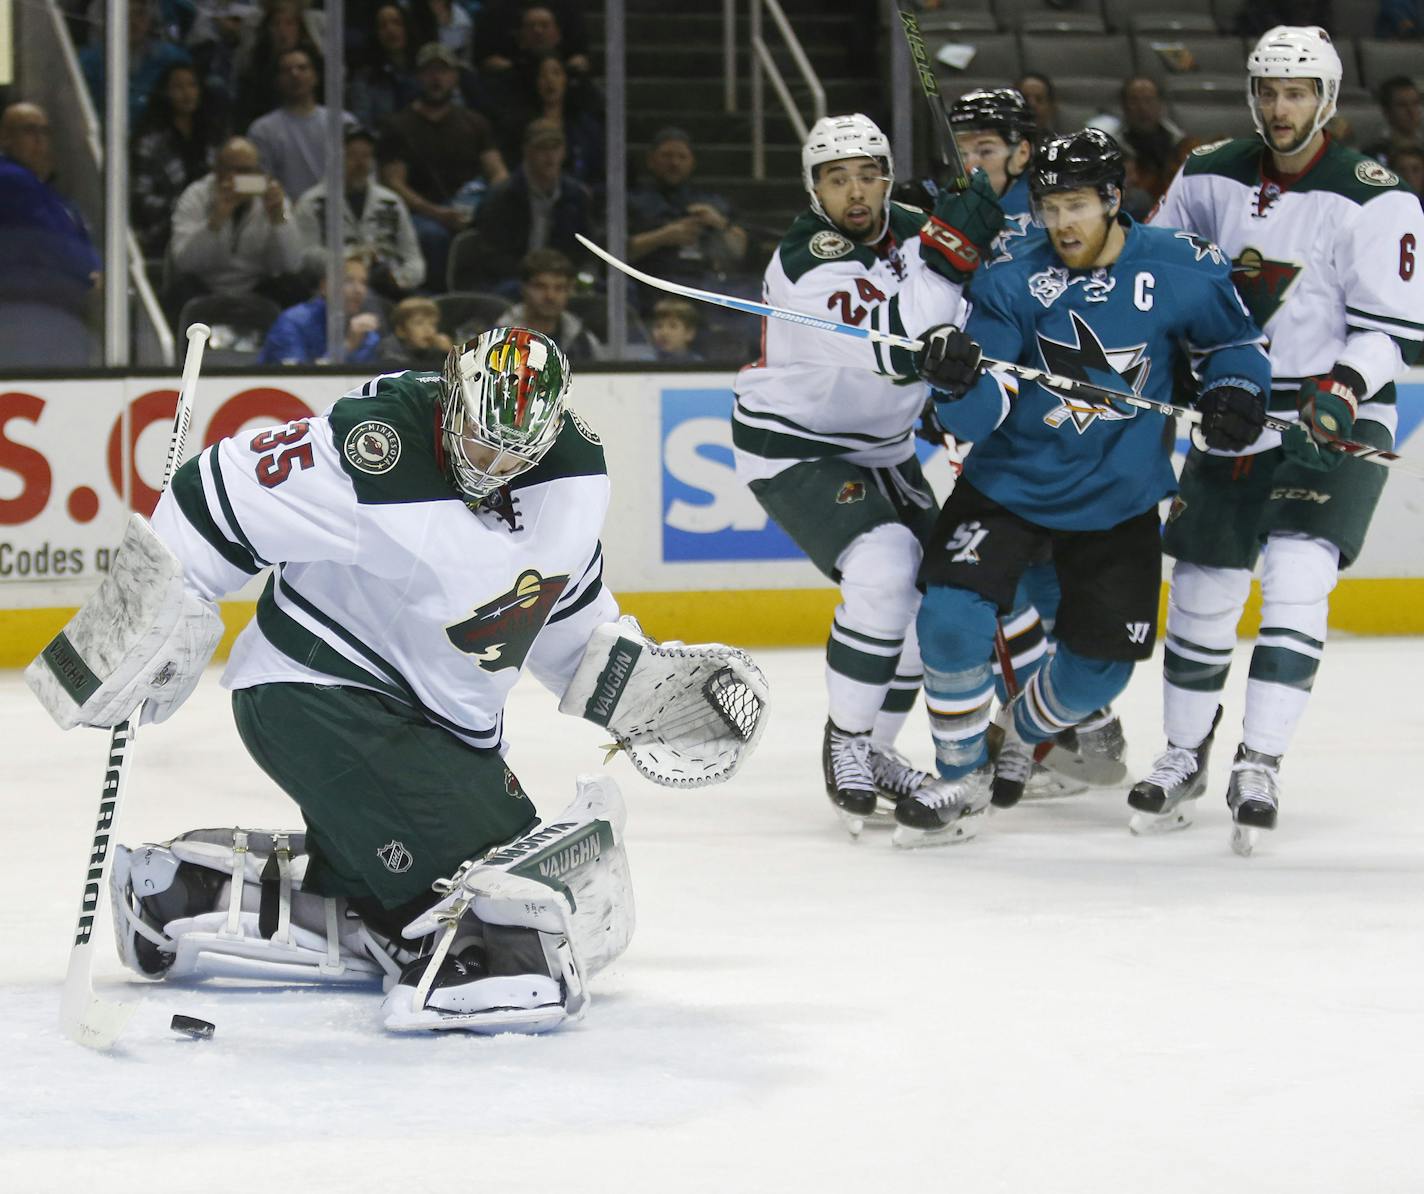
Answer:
(1090, 246)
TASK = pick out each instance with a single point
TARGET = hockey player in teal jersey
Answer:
(1104, 300)
(1324, 245)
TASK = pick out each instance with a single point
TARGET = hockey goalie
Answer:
(430, 535)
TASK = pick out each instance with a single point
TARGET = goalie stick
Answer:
(1096, 395)
(924, 70)
(84, 1016)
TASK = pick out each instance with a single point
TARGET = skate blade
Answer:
(854, 823)
(962, 830)
(1094, 771)
(1047, 784)
(1244, 839)
(1150, 824)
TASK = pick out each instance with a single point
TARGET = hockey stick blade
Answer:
(1097, 395)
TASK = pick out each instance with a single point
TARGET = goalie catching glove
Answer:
(686, 715)
(142, 636)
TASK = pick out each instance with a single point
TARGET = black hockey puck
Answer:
(199, 1030)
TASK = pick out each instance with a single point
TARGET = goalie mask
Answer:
(503, 407)
(1295, 52)
(838, 139)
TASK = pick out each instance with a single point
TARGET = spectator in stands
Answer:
(385, 82)
(1403, 110)
(1038, 90)
(283, 27)
(508, 30)
(674, 331)
(677, 230)
(214, 41)
(377, 224)
(233, 232)
(174, 145)
(536, 207)
(1399, 20)
(445, 22)
(51, 268)
(1409, 164)
(1146, 130)
(416, 341)
(292, 138)
(428, 150)
(298, 337)
(544, 90)
(149, 56)
(547, 278)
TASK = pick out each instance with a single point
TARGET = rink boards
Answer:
(687, 548)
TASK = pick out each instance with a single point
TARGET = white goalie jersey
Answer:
(813, 393)
(1326, 263)
(383, 577)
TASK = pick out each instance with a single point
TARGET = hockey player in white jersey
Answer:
(1324, 245)
(431, 535)
(823, 428)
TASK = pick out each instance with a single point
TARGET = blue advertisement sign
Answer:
(707, 514)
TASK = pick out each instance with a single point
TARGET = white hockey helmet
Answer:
(1295, 52)
(502, 408)
(836, 138)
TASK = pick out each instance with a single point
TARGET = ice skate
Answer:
(1253, 797)
(1165, 799)
(942, 812)
(850, 783)
(895, 778)
(1013, 768)
(1092, 752)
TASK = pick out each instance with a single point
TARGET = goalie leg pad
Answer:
(228, 903)
(687, 715)
(142, 636)
(521, 929)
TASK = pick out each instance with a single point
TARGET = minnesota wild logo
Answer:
(500, 632)
(1262, 284)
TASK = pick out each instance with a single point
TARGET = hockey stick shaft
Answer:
(84, 1017)
(929, 86)
(1095, 394)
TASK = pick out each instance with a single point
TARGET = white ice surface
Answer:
(1055, 1007)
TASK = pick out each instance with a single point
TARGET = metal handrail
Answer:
(764, 67)
(156, 323)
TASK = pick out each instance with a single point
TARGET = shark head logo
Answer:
(1086, 359)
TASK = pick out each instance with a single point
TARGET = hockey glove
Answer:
(950, 361)
(963, 226)
(1233, 413)
(1327, 415)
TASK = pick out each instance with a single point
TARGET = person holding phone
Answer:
(233, 231)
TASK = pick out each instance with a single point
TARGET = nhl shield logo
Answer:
(372, 447)
(851, 491)
(395, 856)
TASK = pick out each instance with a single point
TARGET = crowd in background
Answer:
(474, 154)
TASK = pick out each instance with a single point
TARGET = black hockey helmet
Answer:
(999, 109)
(1087, 158)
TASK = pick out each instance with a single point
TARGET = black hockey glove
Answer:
(963, 226)
(950, 361)
(1233, 412)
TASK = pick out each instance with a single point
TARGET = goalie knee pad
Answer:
(519, 930)
(228, 903)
